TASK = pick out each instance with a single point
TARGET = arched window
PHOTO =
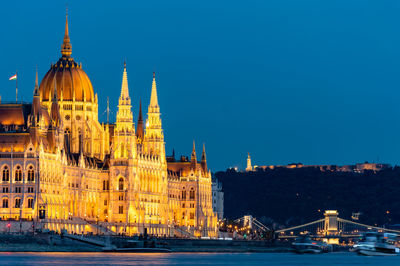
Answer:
(30, 203)
(6, 174)
(191, 194)
(121, 184)
(67, 135)
(183, 194)
(18, 174)
(31, 174)
(17, 203)
(5, 203)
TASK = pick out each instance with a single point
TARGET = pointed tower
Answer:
(193, 158)
(140, 126)
(124, 121)
(204, 159)
(66, 47)
(154, 136)
(36, 103)
(55, 110)
(35, 116)
(124, 132)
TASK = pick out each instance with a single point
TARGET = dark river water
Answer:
(193, 259)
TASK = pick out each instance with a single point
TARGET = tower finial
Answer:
(66, 47)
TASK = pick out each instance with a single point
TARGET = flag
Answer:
(13, 77)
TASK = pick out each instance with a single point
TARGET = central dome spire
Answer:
(66, 47)
(72, 82)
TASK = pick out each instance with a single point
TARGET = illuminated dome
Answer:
(72, 82)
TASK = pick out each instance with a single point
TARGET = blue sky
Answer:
(307, 81)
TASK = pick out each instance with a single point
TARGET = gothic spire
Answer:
(194, 152)
(193, 159)
(124, 115)
(36, 91)
(140, 118)
(154, 137)
(35, 113)
(55, 111)
(140, 128)
(204, 159)
(124, 87)
(154, 98)
(203, 155)
(66, 47)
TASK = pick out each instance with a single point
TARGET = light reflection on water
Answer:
(53, 258)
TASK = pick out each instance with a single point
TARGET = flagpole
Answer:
(16, 86)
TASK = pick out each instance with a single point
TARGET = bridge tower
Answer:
(248, 221)
(331, 222)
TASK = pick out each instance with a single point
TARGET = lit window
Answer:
(17, 203)
(18, 174)
(31, 174)
(6, 174)
(121, 184)
(30, 203)
(5, 203)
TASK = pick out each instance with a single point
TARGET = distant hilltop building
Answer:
(357, 168)
(61, 167)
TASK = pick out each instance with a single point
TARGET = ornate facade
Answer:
(63, 170)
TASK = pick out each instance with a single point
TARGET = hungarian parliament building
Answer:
(62, 170)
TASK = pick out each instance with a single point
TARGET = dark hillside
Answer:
(294, 196)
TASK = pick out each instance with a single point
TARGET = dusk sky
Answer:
(315, 82)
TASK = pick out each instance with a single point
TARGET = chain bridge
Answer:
(331, 228)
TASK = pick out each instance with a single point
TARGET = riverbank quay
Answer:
(47, 242)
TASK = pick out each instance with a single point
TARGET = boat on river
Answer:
(377, 244)
(304, 244)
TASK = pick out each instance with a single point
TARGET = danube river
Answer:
(25, 258)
